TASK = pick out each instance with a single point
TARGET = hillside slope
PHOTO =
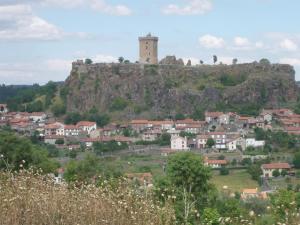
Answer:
(135, 90)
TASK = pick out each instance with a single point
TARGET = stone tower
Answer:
(148, 49)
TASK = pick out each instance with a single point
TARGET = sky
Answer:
(40, 38)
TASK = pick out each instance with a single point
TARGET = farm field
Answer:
(235, 181)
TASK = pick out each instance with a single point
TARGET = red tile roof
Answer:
(216, 161)
(276, 166)
(85, 123)
(213, 114)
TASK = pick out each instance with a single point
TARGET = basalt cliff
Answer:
(140, 90)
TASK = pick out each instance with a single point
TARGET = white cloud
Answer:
(291, 61)
(192, 7)
(102, 6)
(209, 41)
(19, 22)
(59, 64)
(241, 41)
(97, 5)
(35, 72)
(259, 44)
(288, 45)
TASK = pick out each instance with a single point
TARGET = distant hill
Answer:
(30, 97)
(151, 91)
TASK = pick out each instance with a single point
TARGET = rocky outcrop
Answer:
(170, 88)
(171, 60)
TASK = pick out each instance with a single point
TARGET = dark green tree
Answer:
(210, 142)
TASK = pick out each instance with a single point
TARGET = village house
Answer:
(140, 125)
(231, 144)
(201, 140)
(250, 193)
(3, 109)
(54, 129)
(215, 117)
(179, 143)
(163, 125)
(87, 126)
(268, 169)
(251, 142)
(220, 139)
(109, 130)
(267, 116)
(292, 130)
(173, 132)
(151, 135)
(96, 133)
(215, 163)
(38, 117)
(71, 130)
(189, 125)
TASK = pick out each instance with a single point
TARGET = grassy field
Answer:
(235, 181)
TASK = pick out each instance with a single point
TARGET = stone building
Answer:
(148, 49)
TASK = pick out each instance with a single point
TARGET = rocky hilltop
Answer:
(140, 90)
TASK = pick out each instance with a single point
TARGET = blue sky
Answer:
(40, 38)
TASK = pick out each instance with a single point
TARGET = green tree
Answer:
(118, 104)
(255, 171)
(72, 118)
(264, 61)
(88, 61)
(210, 142)
(234, 61)
(215, 59)
(224, 171)
(121, 59)
(189, 177)
(210, 216)
(179, 116)
(275, 173)
(18, 153)
(296, 160)
(283, 173)
(60, 141)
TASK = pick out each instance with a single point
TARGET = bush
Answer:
(60, 141)
(224, 171)
(275, 173)
(118, 104)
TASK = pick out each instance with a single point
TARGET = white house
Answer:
(173, 132)
(254, 143)
(87, 126)
(179, 143)
(268, 169)
(3, 108)
(231, 145)
(220, 139)
(266, 116)
(54, 129)
(71, 130)
(213, 116)
(215, 163)
(38, 117)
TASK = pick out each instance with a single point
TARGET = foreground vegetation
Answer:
(31, 199)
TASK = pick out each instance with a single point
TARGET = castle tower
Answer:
(148, 49)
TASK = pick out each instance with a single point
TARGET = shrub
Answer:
(224, 171)
(118, 104)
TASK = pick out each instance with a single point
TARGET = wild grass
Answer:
(28, 198)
